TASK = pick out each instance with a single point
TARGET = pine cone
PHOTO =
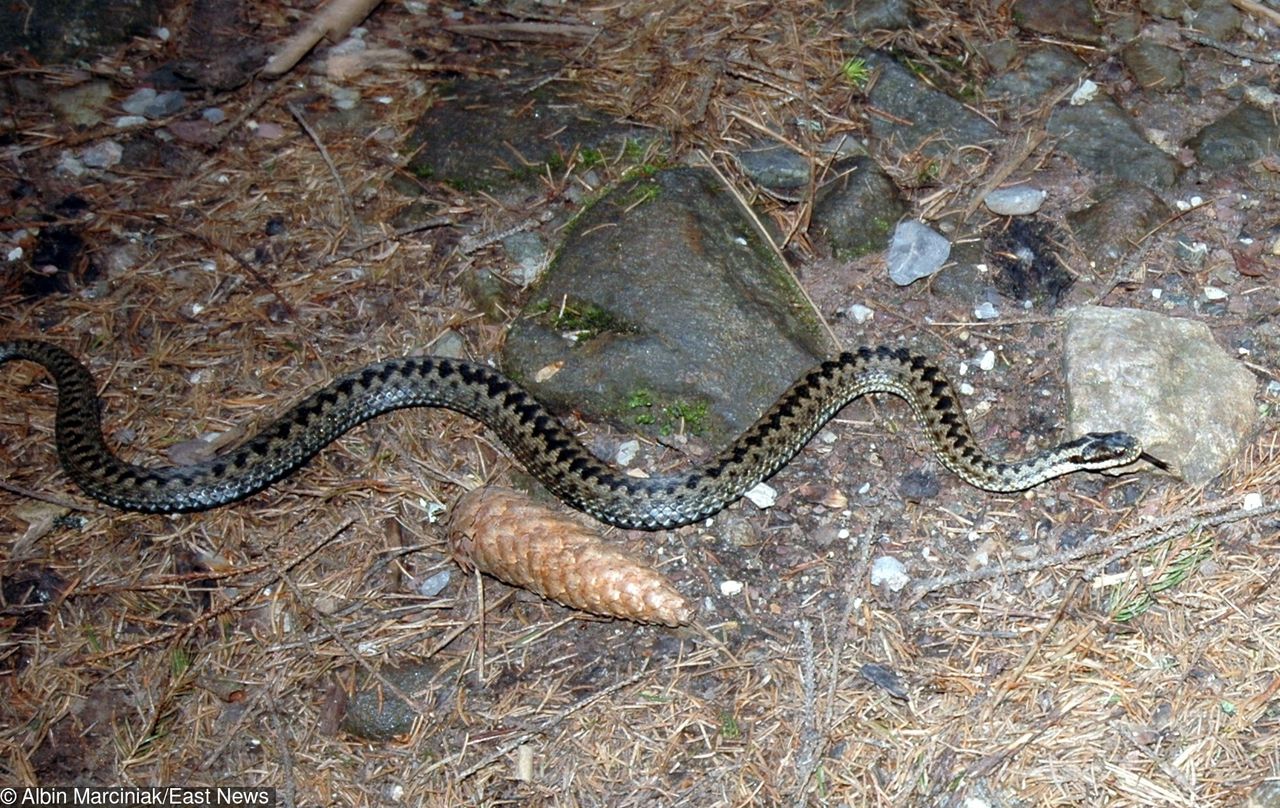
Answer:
(503, 533)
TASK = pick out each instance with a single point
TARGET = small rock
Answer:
(1163, 379)
(885, 678)
(857, 210)
(1252, 501)
(775, 166)
(450, 344)
(269, 131)
(137, 102)
(627, 452)
(1214, 293)
(870, 15)
(763, 495)
(987, 361)
(890, 573)
(529, 252)
(1085, 93)
(164, 105)
(916, 252)
(83, 104)
(860, 313)
(103, 154)
(917, 486)
(375, 713)
(1242, 135)
(985, 310)
(1019, 200)
(1154, 65)
(729, 588)
(433, 585)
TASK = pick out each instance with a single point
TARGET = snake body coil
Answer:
(548, 450)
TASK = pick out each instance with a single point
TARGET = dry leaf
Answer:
(505, 534)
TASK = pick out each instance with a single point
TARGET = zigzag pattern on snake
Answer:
(546, 448)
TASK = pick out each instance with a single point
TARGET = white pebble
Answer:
(966, 389)
(1019, 200)
(1252, 501)
(988, 360)
(890, 573)
(985, 310)
(627, 452)
(730, 587)
(1084, 93)
(763, 495)
(1214, 293)
(860, 313)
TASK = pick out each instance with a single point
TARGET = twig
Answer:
(289, 791)
(810, 736)
(1008, 682)
(1253, 7)
(333, 21)
(808, 758)
(1243, 53)
(399, 232)
(1171, 526)
(52, 499)
(347, 204)
(1178, 530)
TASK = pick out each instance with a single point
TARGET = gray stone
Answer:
(916, 252)
(1162, 379)
(529, 253)
(930, 115)
(1000, 54)
(1123, 213)
(1242, 135)
(890, 573)
(375, 713)
(872, 15)
(1213, 18)
(1155, 66)
(1043, 71)
(775, 166)
(857, 211)
(1019, 200)
(165, 104)
(1069, 19)
(665, 309)
(54, 31)
(139, 100)
(495, 136)
(1102, 138)
(1169, 9)
(82, 105)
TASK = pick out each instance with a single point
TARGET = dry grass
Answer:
(220, 647)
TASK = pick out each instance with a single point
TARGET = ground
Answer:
(209, 282)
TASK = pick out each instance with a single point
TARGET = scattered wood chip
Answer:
(505, 534)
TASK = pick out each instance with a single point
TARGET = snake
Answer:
(540, 442)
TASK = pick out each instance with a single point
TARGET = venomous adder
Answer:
(548, 450)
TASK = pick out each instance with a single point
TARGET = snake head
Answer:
(1104, 450)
